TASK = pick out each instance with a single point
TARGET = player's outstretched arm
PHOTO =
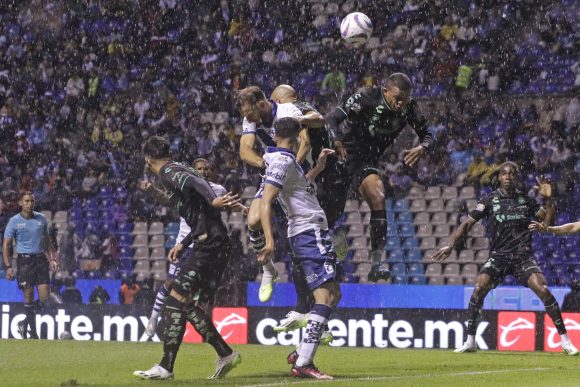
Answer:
(304, 147)
(463, 229)
(564, 229)
(268, 196)
(320, 165)
(312, 119)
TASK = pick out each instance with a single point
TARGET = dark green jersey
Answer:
(509, 218)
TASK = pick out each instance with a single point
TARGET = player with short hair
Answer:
(202, 166)
(259, 115)
(308, 235)
(374, 118)
(201, 272)
(36, 257)
(509, 211)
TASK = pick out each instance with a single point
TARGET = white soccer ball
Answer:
(65, 335)
(356, 28)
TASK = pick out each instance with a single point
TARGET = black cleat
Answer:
(379, 272)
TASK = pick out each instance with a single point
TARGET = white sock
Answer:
(269, 271)
(309, 344)
(470, 339)
(565, 338)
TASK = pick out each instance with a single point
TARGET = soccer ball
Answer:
(356, 28)
(65, 335)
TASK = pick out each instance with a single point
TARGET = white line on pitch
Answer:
(398, 377)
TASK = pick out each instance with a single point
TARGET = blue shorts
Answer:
(312, 249)
(174, 268)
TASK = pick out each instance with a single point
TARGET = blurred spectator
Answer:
(99, 296)
(571, 302)
(70, 294)
(129, 291)
(399, 183)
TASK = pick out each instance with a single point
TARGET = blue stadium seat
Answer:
(105, 192)
(405, 218)
(392, 230)
(413, 255)
(400, 279)
(418, 280)
(125, 240)
(415, 269)
(410, 243)
(509, 281)
(399, 269)
(172, 228)
(170, 242)
(388, 204)
(393, 243)
(407, 230)
(125, 228)
(401, 205)
(395, 256)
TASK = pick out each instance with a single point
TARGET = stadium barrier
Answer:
(379, 328)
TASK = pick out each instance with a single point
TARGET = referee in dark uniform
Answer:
(29, 231)
(510, 211)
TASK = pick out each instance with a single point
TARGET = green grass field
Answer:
(71, 363)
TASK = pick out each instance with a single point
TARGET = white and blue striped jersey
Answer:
(265, 134)
(297, 196)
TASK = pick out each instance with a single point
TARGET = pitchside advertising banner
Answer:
(381, 328)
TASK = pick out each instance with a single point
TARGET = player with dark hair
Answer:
(202, 166)
(36, 257)
(259, 116)
(308, 235)
(509, 211)
(374, 118)
(200, 273)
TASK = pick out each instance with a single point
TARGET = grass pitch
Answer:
(75, 363)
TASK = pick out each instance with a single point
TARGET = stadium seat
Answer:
(433, 193)
(437, 280)
(351, 205)
(47, 215)
(139, 228)
(470, 204)
(142, 267)
(466, 256)
(406, 230)
(481, 256)
(364, 207)
(418, 205)
(353, 218)
(393, 243)
(361, 256)
(405, 218)
(451, 269)
(396, 256)
(410, 243)
(141, 253)
(172, 228)
(477, 230)
(399, 269)
(441, 231)
(400, 279)
(467, 193)
(454, 280)
(156, 228)
(160, 276)
(433, 270)
(359, 243)
(421, 218)
(449, 193)
(125, 240)
(362, 270)
(418, 280)
(416, 192)
(400, 205)
(436, 205)
(249, 192)
(158, 253)
(413, 255)
(439, 218)
(470, 280)
(424, 230)
(480, 244)
(428, 243)
(415, 269)
(159, 266)
(356, 230)
(469, 270)
(157, 241)
(452, 206)
(170, 242)
(141, 240)
(392, 230)
(60, 216)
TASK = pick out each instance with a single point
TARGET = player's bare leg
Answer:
(372, 190)
(258, 242)
(537, 282)
(482, 287)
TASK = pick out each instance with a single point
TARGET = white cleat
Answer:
(569, 349)
(267, 288)
(151, 327)
(467, 347)
(225, 364)
(293, 321)
(155, 373)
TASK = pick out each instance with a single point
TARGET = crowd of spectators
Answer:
(84, 82)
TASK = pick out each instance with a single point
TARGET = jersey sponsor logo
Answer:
(516, 331)
(552, 340)
(480, 207)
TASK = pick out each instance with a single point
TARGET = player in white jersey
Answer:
(259, 117)
(203, 167)
(308, 236)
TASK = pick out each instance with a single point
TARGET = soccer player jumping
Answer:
(510, 211)
(308, 236)
(374, 118)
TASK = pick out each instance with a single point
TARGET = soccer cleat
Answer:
(155, 373)
(224, 365)
(340, 244)
(309, 371)
(292, 357)
(151, 327)
(326, 338)
(267, 288)
(22, 329)
(569, 349)
(379, 272)
(293, 320)
(468, 346)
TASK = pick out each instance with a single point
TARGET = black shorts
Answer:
(520, 266)
(200, 275)
(32, 270)
(358, 170)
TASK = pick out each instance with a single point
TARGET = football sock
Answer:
(473, 314)
(378, 226)
(204, 326)
(318, 318)
(29, 312)
(304, 299)
(159, 302)
(553, 310)
(269, 270)
(257, 240)
(174, 330)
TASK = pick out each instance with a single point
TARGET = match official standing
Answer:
(29, 231)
